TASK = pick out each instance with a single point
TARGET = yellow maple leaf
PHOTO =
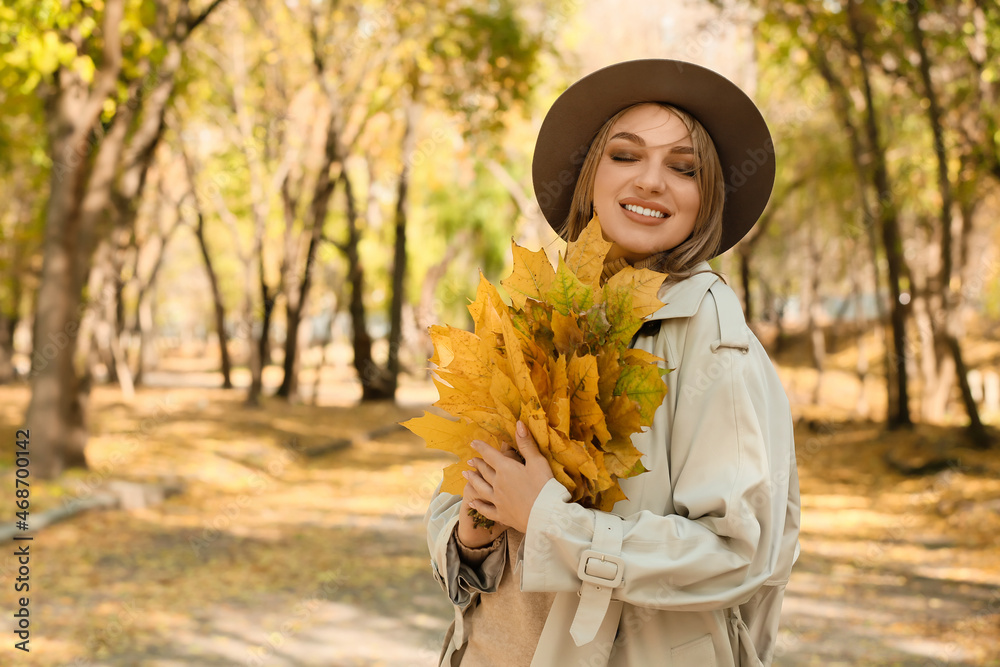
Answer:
(486, 296)
(585, 256)
(451, 436)
(643, 286)
(588, 418)
(532, 276)
(566, 333)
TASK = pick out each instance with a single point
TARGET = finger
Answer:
(480, 486)
(492, 456)
(525, 443)
(483, 468)
(509, 451)
(471, 494)
(485, 508)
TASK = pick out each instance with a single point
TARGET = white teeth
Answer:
(644, 211)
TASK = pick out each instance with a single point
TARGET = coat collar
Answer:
(682, 299)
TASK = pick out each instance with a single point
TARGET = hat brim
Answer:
(730, 117)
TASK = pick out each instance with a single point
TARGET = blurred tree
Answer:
(916, 97)
(480, 61)
(192, 203)
(23, 171)
(835, 38)
(254, 84)
(102, 71)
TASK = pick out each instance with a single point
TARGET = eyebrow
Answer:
(636, 139)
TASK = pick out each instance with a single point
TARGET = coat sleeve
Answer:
(460, 571)
(730, 459)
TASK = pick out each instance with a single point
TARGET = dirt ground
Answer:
(272, 557)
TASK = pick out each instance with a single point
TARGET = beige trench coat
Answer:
(700, 553)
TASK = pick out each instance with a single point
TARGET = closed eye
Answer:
(624, 157)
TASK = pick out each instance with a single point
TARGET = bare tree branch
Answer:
(200, 18)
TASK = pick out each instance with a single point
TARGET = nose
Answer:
(652, 177)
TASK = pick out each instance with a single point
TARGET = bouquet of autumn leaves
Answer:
(557, 359)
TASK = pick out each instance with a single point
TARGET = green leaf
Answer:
(642, 383)
(623, 322)
(568, 293)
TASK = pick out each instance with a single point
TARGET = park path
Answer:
(272, 558)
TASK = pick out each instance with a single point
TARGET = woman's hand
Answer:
(468, 534)
(505, 489)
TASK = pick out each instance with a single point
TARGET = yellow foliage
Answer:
(557, 359)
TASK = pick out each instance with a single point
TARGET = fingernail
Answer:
(465, 474)
(475, 444)
(470, 463)
(521, 430)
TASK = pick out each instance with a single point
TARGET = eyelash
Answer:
(680, 169)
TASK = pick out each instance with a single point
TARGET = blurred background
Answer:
(226, 226)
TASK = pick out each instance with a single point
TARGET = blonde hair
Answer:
(704, 240)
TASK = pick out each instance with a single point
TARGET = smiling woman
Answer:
(690, 568)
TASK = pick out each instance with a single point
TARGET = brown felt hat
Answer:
(729, 116)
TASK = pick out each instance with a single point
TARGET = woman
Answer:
(677, 164)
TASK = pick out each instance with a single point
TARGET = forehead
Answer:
(655, 125)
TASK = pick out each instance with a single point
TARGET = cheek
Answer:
(692, 199)
(601, 185)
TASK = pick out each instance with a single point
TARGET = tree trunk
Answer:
(861, 368)
(8, 325)
(842, 101)
(55, 415)
(219, 307)
(977, 432)
(79, 209)
(260, 348)
(213, 280)
(256, 347)
(816, 336)
(296, 303)
(399, 256)
(943, 321)
(370, 375)
(144, 323)
(885, 211)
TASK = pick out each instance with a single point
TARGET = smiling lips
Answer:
(649, 210)
(644, 211)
